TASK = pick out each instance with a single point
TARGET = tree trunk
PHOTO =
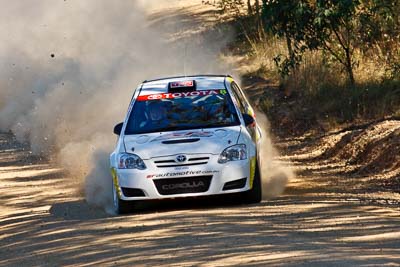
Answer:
(258, 8)
(289, 47)
(260, 28)
(249, 8)
(349, 67)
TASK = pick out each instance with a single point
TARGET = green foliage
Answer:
(337, 27)
(380, 33)
(339, 59)
(313, 25)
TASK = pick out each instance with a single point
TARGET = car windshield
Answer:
(181, 111)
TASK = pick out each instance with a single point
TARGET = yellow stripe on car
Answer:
(258, 135)
(252, 171)
(115, 179)
(251, 112)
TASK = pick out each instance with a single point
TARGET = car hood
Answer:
(208, 141)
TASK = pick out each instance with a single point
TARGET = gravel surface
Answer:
(44, 222)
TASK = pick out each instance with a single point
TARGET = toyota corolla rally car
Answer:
(186, 136)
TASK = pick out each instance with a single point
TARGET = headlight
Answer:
(232, 153)
(130, 161)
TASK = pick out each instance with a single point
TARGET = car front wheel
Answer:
(120, 206)
(254, 195)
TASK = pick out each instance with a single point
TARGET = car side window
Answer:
(239, 97)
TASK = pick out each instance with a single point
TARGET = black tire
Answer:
(254, 195)
(120, 206)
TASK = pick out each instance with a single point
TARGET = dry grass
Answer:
(321, 90)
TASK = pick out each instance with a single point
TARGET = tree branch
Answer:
(334, 53)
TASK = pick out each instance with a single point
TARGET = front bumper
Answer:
(220, 175)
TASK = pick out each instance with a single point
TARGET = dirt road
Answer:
(44, 223)
(326, 217)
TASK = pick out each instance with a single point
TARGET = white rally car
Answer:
(186, 137)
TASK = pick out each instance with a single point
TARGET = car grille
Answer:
(172, 186)
(169, 162)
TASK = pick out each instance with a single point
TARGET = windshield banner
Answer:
(181, 94)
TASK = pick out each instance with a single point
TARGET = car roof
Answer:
(203, 82)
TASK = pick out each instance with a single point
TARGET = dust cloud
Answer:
(69, 68)
(274, 174)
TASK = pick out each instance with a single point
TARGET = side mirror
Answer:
(248, 120)
(118, 128)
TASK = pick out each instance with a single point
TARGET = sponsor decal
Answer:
(178, 173)
(181, 168)
(181, 84)
(180, 94)
(183, 135)
(185, 185)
